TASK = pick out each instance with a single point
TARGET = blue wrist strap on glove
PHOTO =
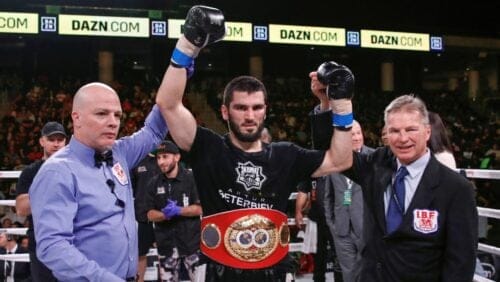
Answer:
(343, 121)
(181, 60)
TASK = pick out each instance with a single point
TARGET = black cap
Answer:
(53, 127)
(167, 147)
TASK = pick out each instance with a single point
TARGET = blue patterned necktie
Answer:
(396, 207)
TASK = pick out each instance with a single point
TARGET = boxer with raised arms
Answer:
(243, 183)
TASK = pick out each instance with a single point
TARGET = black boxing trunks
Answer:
(245, 238)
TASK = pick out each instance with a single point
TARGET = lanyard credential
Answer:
(348, 193)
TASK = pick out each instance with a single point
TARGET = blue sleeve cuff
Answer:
(344, 121)
(181, 59)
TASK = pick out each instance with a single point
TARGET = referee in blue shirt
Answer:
(81, 198)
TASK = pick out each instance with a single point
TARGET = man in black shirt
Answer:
(173, 205)
(141, 175)
(244, 183)
(53, 138)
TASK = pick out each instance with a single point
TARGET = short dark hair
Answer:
(244, 83)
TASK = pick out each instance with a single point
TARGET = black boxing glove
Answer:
(339, 82)
(338, 79)
(203, 25)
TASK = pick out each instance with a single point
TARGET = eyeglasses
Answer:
(118, 202)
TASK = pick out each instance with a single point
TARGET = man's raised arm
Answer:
(203, 25)
(339, 83)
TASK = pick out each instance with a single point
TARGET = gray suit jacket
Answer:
(339, 216)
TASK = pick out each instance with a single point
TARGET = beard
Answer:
(168, 168)
(245, 137)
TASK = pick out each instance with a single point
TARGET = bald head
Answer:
(87, 92)
(96, 115)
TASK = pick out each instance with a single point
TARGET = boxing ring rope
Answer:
(10, 173)
(294, 247)
(488, 249)
(14, 231)
(10, 203)
(478, 278)
(486, 212)
(16, 257)
(480, 173)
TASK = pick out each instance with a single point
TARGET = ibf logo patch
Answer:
(250, 176)
(425, 221)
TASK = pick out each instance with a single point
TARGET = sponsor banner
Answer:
(235, 31)
(309, 35)
(394, 40)
(103, 26)
(18, 22)
(238, 31)
(174, 28)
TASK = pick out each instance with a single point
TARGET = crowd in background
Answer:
(28, 105)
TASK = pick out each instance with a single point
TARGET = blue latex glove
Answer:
(171, 209)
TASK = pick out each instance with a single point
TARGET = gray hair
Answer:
(407, 103)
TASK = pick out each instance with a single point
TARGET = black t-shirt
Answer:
(23, 187)
(181, 232)
(141, 176)
(229, 178)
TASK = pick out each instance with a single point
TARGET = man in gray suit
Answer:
(343, 204)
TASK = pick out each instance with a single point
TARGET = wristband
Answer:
(180, 59)
(189, 69)
(343, 121)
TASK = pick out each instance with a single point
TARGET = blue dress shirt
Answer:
(81, 234)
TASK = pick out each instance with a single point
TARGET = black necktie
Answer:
(105, 157)
(8, 267)
(397, 201)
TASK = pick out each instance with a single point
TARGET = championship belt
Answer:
(245, 238)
